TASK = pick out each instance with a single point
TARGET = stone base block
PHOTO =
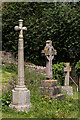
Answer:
(49, 83)
(21, 107)
(50, 91)
(68, 89)
(20, 99)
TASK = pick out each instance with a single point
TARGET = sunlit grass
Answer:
(7, 75)
(42, 107)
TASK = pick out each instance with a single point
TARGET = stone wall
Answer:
(7, 58)
(37, 69)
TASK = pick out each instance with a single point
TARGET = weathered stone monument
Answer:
(20, 94)
(49, 52)
(50, 87)
(67, 69)
(66, 86)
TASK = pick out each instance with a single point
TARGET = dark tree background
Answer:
(60, 23)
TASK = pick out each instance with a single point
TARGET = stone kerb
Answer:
(8, 58)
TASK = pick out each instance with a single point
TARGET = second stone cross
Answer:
(49, 53)
(49, 86)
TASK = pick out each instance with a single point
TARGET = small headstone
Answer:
(66, 86)
(67, 69)
(20, 94)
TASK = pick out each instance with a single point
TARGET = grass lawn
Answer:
(41, 107)
(8, 73)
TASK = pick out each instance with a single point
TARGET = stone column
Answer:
(20, 54)
(20, 95)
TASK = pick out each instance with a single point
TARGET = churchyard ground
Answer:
(42, 107)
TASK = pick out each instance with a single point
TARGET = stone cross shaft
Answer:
(20, 54)
(67, 69)
(49, 52)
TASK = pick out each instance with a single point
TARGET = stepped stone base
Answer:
(51, 89)
(68, 89)
(20, 99)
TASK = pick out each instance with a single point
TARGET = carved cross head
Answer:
(21, 28)
(67, 68)
(49, 49)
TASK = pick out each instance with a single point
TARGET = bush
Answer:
(58, 72)
(43, 21)
(77, 68)
(11, 68)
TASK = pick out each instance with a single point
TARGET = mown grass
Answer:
(42, 107)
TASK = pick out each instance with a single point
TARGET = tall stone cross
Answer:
(49, 52)
(67, 69)
(20, 94)
(20, 54)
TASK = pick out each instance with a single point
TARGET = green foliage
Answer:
(42, 107)
(77, 68)
(58, 72)
(7, 92)
(33, 79)
(9, 83)
(8, 72)
(43, 21)
(46, 108)
(11, 68)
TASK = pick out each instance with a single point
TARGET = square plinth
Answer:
(68, 89)
(20, 99)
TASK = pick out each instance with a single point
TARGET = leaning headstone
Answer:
(66, 86)
(50, 87)
(20, 94)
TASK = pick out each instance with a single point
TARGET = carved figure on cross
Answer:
(49, 52)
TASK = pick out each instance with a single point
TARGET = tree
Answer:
(44, 21)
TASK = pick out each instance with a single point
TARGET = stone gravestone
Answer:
(50, 87)
(67, 69)
(20, 94)
(49, 52)
(66, 86)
